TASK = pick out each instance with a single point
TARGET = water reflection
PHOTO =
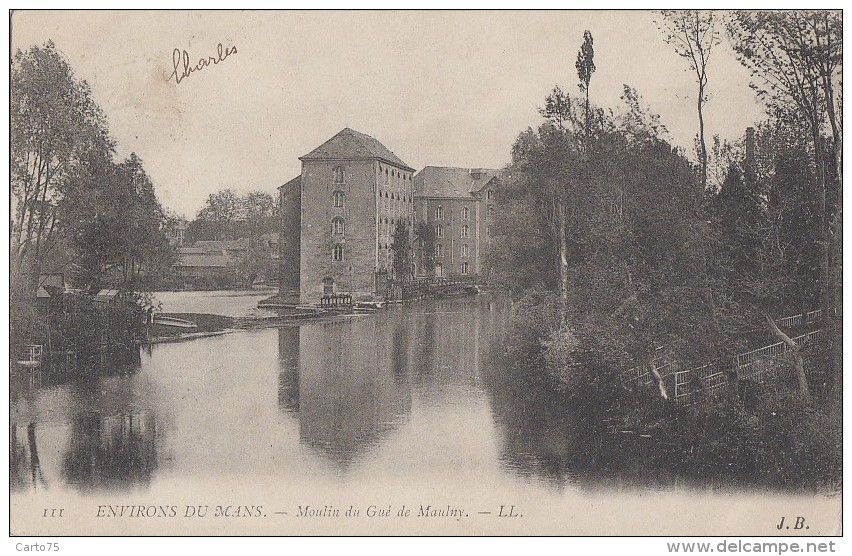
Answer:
(111, 452)
(347, 380)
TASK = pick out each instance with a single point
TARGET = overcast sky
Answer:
(437, 88)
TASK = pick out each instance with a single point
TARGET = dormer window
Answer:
(338, 174)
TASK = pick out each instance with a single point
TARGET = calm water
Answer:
(242, 303)
(409, 406)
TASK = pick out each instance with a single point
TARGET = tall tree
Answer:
(424, 233)
(55, 123)
(693, 34)
(220, 212)
(258, 214)
(585, 68)
(795, 61)
(401, 249)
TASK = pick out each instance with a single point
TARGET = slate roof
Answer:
(294, 182)
(349, 144)
(438, 181)
(194, 260)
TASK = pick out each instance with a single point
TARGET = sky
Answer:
(437, 88)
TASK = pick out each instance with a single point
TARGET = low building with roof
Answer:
(459, 203)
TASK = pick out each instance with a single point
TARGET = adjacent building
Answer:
(338, 218)
(459, 203)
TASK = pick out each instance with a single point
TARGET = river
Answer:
(409, 408)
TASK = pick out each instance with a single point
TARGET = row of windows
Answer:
(338, 227)
(465, 231)
(339, 175)
(439, 269)
(396, 197)
(439, 250)
(394, 174)
(337, 252)
(465, 212)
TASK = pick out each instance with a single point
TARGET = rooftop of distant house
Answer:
(448, 182)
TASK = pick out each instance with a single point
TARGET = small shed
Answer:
(49, 285)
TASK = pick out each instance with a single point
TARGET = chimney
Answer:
(476, 173)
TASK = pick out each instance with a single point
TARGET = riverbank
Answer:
(208, 325)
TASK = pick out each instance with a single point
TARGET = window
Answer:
(490, 194)
(337, 226)
(439, 250)
(464, 268)
(338, 198)
(465, 213)
(337, 253)
(465, 231)
(464, 250)
(338, 174)
(439, 213)
(490, 210)
(439, 231)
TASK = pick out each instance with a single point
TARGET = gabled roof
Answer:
(204, 260)
(294, 182)
(438, 181)
(349, 144)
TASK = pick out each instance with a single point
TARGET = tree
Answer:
(401, 249)
(693, 34)
(424, 233)
(257, 214)
(585, 68)
(220, 212)
(55, 125)
(550, 161)
(116, 223)
(795, 59)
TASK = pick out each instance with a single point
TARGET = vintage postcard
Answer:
(572, 273)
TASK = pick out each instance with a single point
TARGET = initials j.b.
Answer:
(800, 523)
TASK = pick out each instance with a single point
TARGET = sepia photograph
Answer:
(426, 273)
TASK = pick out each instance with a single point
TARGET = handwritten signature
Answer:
(184, 68)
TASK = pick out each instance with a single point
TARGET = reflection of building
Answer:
(459, 203)
(338, 217)
(346, 397)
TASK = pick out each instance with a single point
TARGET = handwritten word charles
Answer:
(183, 68)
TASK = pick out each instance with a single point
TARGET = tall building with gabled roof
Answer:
(338, 218)
(459, 203)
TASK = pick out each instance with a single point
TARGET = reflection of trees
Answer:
(111, 452)
(352, 383)
(531, 415)
(24, 464)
